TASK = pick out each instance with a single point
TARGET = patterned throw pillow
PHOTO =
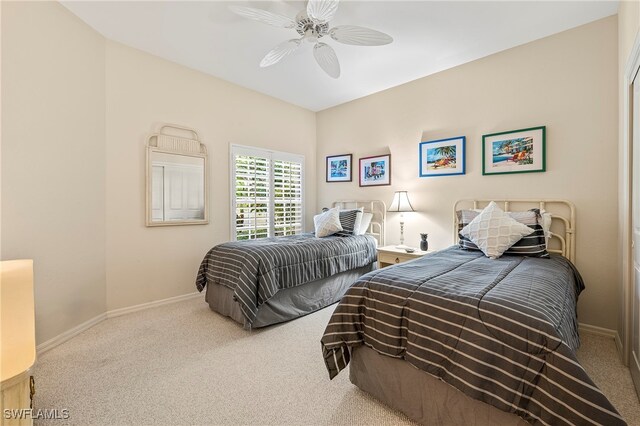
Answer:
(533, 245)
(350, 221)
(327, 223)
(494, 231)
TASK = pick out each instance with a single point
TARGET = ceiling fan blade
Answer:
(327, 59)
(359, 36)
(263, 16)
(279, 52)
(322, 10)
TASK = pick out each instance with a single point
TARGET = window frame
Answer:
(272, 155)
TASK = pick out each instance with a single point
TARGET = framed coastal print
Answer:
(375, 171)
(442, 157)
(516, 151)
(339, 168)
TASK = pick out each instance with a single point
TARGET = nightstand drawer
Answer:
(393, 258)
(391, 255)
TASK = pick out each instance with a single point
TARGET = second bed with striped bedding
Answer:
(257, 269)
(502, 331)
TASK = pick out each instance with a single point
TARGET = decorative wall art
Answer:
(375, 171)
(442, 157)
(516, 151)
(339, 168)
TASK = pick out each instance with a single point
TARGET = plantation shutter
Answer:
(252, 197)
(267, 195)
(287, 198)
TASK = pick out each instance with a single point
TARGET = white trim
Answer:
(624, 226)
(130, 309)
(619, 345)
(63, 337)
(598, 331)
(605, 332)
(67, 335)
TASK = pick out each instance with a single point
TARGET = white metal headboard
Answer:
(563, 225)
(377, 208)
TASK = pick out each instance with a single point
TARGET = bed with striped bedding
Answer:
(502, 331)
(256, 270)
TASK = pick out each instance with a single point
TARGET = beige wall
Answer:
(567, 82)
(146, 264)
(76, 113)
(77, 109)
(53, 160)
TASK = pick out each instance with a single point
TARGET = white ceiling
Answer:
(429, 36)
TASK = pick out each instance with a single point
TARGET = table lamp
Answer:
(17, 341)
(401, 204)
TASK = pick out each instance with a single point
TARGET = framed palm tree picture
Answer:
(443, 157)
(515, 151)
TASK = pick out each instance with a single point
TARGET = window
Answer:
(266, 188)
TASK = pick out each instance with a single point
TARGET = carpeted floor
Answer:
(184, 364)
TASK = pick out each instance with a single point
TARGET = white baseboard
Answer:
(123, 311)
(606, 332)
(618, 341)
(600, 331)
(63, 337)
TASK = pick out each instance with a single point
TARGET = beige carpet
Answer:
(184, 364)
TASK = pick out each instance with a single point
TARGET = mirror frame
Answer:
(170, 143)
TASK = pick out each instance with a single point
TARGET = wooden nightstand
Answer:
(390, 255)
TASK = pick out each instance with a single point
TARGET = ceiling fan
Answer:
(313, 24)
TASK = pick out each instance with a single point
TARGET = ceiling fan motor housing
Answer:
(307, 27)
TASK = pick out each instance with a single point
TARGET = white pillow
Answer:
(546, 225)
(327, 223)
(494, 231)
(364, 223)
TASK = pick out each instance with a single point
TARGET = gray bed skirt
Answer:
(289, 303)
(419, 395)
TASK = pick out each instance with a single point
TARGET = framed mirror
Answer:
(177, 174)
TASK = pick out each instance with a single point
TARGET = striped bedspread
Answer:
(257, 269)
(502, 331)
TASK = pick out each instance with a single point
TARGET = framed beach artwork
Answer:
(339, 168)
(375, 171)
(516, 151)
(442, 157)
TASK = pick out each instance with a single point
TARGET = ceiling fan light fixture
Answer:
(312, 24)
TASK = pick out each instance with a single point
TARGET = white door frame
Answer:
(631, 68)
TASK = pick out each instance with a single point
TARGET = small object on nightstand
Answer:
(409, 250)
(424, 244)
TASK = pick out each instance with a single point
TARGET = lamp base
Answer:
(403, 247)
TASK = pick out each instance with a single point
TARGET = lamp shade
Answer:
(401, 203)
(17, 341)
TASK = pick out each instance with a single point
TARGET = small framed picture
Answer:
(339, 168)
(516, 151)
(443, 157)
(375, 171)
